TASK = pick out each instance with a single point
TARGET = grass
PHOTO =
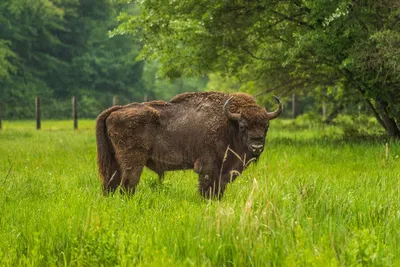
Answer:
(313, 199)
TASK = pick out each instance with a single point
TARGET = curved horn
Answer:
(228, 114)
(277, 112)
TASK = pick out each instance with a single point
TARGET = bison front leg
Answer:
(212, 186)
(211, 182)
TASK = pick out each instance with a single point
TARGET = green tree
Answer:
(158, 87)
(284, 45)
(28, 29)
(6, 54)
(57, 49)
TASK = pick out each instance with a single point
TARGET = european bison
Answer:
(215, 134)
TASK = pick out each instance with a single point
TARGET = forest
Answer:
(60, 49)
(342, 53)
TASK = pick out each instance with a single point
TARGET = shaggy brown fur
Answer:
(191, 131)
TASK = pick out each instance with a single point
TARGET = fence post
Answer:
(75, 112)
(1, 115)
(324, 104)
(38, 125)
(115, 100)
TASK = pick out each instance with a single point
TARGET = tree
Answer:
(284, 45)
(6, 54)
(28, 30)
(158, 87)
(56, 49)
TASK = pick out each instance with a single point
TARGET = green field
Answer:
(313, 199)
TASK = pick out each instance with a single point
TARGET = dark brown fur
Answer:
(189, 132)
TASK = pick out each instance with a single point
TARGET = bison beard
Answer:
(215, 134)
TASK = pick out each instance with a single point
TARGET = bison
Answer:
(215, 134)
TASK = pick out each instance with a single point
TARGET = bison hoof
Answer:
(211, 193)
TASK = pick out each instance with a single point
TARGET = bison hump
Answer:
(156, 103)
(134, 115)
(199, 96)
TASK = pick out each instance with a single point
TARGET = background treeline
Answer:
(339, 56)
(57, 49)
(346, 52)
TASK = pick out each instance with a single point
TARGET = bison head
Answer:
(253, 123)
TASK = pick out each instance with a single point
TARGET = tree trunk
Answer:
(391, 127)
(324, 103)
(390, 123)
(323, 109)
(294, 110)
(380, 112)
(384, 118)
(336, 111)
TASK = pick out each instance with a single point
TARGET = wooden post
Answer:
(75, 112)
(115, 100)
(1, 115)
(38, 125)
(294, 106)
(387, 152)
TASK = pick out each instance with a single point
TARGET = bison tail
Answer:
(107, 163)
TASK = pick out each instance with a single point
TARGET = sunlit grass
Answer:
(47, 125)
(312, 199)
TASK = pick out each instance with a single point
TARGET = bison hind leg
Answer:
(130, 178)
(157, 169)
(160, 178)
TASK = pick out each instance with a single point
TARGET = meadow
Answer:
(313, 199)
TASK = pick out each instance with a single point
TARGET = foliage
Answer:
(311, 200)
(281, 45)
(6, 54)
(157, 87)
(359, 127)
(58, 49)
(365, 250)
(61, 49)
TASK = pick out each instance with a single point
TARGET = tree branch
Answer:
(376, 114)
(254, 56)
(359, 87)
(293, 20)
(395, 22)
(334, 113)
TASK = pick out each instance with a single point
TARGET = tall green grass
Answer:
(313, 199)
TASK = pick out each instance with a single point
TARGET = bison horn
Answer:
(277, 112)
(228, 114)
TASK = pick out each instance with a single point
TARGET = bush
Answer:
(359, 127)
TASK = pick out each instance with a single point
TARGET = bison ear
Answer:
(228, 114)
(277, 112)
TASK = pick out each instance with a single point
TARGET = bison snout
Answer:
(256, 149)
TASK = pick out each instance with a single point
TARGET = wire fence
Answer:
(44, 108)
(41, 109)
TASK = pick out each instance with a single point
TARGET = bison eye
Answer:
(242, 128)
